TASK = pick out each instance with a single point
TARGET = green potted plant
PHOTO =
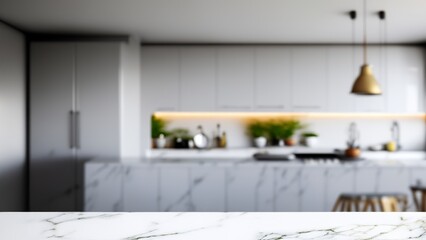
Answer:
(158, 132)
(287, 129)
(310, 139)
(259, 132)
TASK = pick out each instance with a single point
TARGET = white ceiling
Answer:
(220, 21)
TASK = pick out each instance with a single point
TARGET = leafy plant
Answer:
(158, 127)
(283, 129)
(258, 129)
(309, 134)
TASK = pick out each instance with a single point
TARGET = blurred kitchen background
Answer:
(213, 106)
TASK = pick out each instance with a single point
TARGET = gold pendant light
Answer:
(366, 83)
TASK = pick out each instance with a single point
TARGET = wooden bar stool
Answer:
(384, 202)
(419, 197)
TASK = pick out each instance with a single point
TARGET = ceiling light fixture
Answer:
(366, 83)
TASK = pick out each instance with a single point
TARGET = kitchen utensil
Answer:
(201, 140)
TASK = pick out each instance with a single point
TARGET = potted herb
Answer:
(277, 132)
(310, 139)
(158, 132)
(259, 132)
(181, 137)
(287, 130)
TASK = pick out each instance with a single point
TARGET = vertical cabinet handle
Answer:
(71, 129)
(77, 129)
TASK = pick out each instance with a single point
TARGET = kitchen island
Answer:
(247, 226)
(241, 184)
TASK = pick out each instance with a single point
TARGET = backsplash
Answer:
(332, 131)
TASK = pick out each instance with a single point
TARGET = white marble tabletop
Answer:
(236, 226)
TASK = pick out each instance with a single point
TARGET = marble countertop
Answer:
(248, 152)
(230, 162)
(206, 226)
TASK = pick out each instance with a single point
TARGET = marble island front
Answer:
(242, 184)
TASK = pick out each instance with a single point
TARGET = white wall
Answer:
(12, 119)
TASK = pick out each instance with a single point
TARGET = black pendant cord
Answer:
(383, 42)
(365, 32)
(352, 15)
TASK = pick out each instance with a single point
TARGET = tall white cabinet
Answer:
(74, 96)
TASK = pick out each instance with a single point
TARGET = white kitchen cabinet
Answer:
(309, 79)
(312, 189)
(74, 117)
(287, 189)
(98, 99)
(366, 180)
(386, 181)
(160, 78)
(265, 201)
(141, 188)
(249, 189)
(208, 189)
(375, 103)
(197, 79)
(272, 79)
(103, 188)
(175, 189)
(51, 157)
(338, 180)
(405, 77)
(235, 78)
(343, 69)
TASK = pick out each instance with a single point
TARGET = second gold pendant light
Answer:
(366, 83)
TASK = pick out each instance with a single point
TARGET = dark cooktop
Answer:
(302, 157)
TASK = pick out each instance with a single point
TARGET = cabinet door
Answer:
(312, 189)
(208, 188)
(272, 79)
(103, 187)
(343, 69)
(197, 78)
(249, 189)
(309, 85)
(160, 78)
(405, 79)
(287, 189)
(338, 180)
(235, 78)
(374, 103)
(140, 188)
(51, 158)
(174, 189)
(97, 99)
(366, 179)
